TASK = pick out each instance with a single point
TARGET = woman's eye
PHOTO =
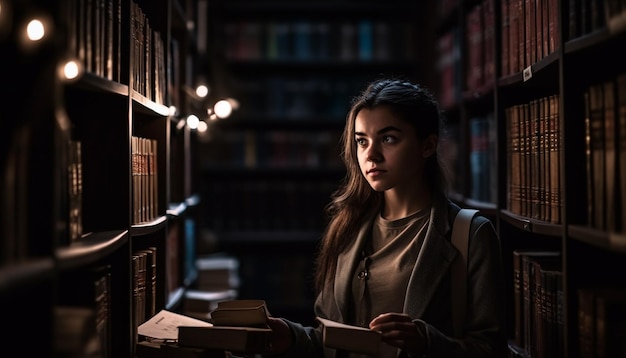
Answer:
(389, 139)
(360, 141)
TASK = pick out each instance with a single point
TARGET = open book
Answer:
(238, 326)
(164, 325)
(351, 338)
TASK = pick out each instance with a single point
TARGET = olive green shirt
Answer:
(382, 275)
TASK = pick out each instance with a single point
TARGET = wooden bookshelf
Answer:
(78, 219)
(564, 53)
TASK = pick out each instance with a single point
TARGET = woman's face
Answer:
(389, 152)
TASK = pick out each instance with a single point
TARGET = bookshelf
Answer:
(99, 194)
(553, 82)
(293, 68)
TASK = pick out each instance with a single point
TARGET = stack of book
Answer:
(218, 281)
(217, 273)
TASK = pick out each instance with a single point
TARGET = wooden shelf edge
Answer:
(24, 273)
(611, 241)
(91, 248)
(148, 227)
(532, 225)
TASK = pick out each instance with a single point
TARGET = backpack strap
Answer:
(460, 239)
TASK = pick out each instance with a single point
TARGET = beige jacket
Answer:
(427, 298)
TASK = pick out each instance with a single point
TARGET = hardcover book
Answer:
(202, 303)
(234, 339)
(240, 313)
(521, 292)
(149, 349)
(350, 338)
(238, 326)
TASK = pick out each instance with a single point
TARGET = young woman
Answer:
(385, 258)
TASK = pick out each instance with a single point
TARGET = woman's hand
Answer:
(281, 338)
(398, 330)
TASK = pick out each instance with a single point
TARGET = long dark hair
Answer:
(355, 201)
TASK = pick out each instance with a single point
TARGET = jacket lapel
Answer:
(346, 263)
(432, 264)
(433, 261)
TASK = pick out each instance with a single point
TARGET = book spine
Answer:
(554, 160)
(596, 115)
(526, 303)
(505, 28)
(621, 118)
(544, 164)
(518, 334)
(585, 323)
(610, 157)
(108, 39)
(559, 314)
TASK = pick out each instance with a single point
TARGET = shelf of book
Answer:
(88, 226)
(558, 129)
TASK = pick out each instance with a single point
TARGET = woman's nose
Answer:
(373, 153)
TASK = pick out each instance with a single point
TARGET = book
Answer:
(237, 326)
(233, 339)
(601, 323)
(524, 143)
(610, 156)
(504, 38)
(350, 338)
(621, 142)
(76, 333)
(164, 325)
(559, 313)
(534, 159)
(514, 184)
(217, 273)
(199, 303)
(75, 197)
(521, 292)
(531, 297)
(240, 313)
(543, 295)
(152, 349)
(82, 324)
(150, 282)
(553, 160)
(610, 322)
(597, 142)
(139, 260)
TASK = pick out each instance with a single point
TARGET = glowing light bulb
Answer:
(35, 30)
(71, 70)
(223, 108)
(193, 121)
(202, 91)
(202, 127)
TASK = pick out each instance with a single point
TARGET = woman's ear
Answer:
(429, 145)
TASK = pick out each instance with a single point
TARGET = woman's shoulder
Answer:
(480, 222)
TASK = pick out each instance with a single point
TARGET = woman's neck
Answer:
(400, 205)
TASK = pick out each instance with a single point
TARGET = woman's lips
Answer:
(375, 172)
